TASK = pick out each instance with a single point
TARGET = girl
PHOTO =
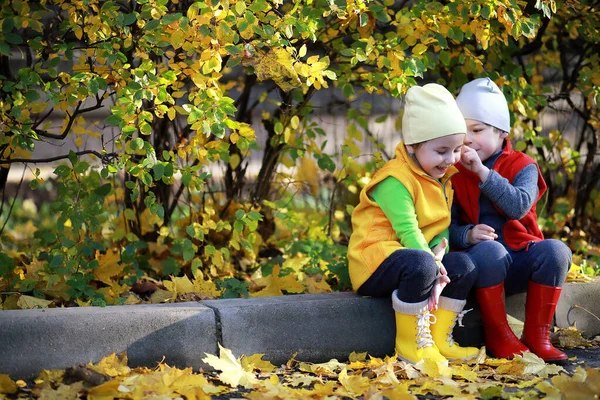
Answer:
(400, 228)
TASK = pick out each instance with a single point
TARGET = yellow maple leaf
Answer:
(536, 366)
(188, 386)
(276, 284)
(317, 284)
(179, 285)
(297, 379)
(434, 369)
(308, 173)
(232, 373)
(107, 390)
(386, 375)
(30, 302)
(108, 266)
(113, 365)
(7, 385)
(324, 389)
(62, 392)
(464, 372)
(354, 385)
(569, 338)
(255, 361)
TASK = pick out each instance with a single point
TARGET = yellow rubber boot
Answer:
(413, 336)
(449, 312)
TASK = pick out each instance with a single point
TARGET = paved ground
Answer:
(585, 357)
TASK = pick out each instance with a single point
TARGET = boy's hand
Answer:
(480, 233)
(471, 161)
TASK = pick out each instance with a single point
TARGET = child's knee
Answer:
(556, 253)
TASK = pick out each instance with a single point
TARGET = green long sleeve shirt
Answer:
(397, 204)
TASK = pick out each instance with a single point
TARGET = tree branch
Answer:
(103, 157)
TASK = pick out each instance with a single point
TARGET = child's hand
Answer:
(480, 233)
(440, 249)
(439, 285)
(471, 161)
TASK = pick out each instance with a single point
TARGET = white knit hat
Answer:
(430, 112)
(482, 100)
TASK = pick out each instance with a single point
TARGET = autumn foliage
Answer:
(183, 99)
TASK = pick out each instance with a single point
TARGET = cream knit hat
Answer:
(430, 112)
(482, 100)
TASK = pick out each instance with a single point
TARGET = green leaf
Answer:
(103, 190)
(326, 163)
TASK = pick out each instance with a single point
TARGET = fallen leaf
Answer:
(30, 302)
(232, 373)
(569, 338)
(7, 385)
(114, 365)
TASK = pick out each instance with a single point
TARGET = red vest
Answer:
(517, 234)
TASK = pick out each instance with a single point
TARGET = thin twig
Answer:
(13, 203)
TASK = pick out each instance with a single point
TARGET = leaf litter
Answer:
(363, 376)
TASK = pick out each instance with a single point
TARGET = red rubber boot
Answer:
(539, 311)
(499, 338)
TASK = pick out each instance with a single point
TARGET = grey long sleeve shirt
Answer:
(515, 200)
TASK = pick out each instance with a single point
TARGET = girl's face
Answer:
(437, 155)
(483, 138)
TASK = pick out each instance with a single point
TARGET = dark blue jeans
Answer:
(413, 273)
(546, 262)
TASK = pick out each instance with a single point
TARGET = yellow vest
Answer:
(373, 239)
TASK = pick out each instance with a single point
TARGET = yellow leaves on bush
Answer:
(308, 173)
(276, 64)
(109, 266)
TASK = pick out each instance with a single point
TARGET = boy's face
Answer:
(483, 138)
(437, 155)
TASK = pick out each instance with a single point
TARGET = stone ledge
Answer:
(314, 327)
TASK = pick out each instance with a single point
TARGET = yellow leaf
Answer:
(317, 284)
(161, 296)
(355, 385)
(113, 365)
(7, 385)
(108, 266)
(179, 285)
(29, 302)
(234, 160)
(434, 369)
(419, 49)
(171, 113)
(232, 373)
(255, 361)
(62, 392)
(275, 284)
(308, 173)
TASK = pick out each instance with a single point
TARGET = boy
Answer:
(494, 218)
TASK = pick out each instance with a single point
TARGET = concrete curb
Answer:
(314, 327)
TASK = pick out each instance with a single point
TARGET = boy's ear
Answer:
(410, 148)
(503, 135)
